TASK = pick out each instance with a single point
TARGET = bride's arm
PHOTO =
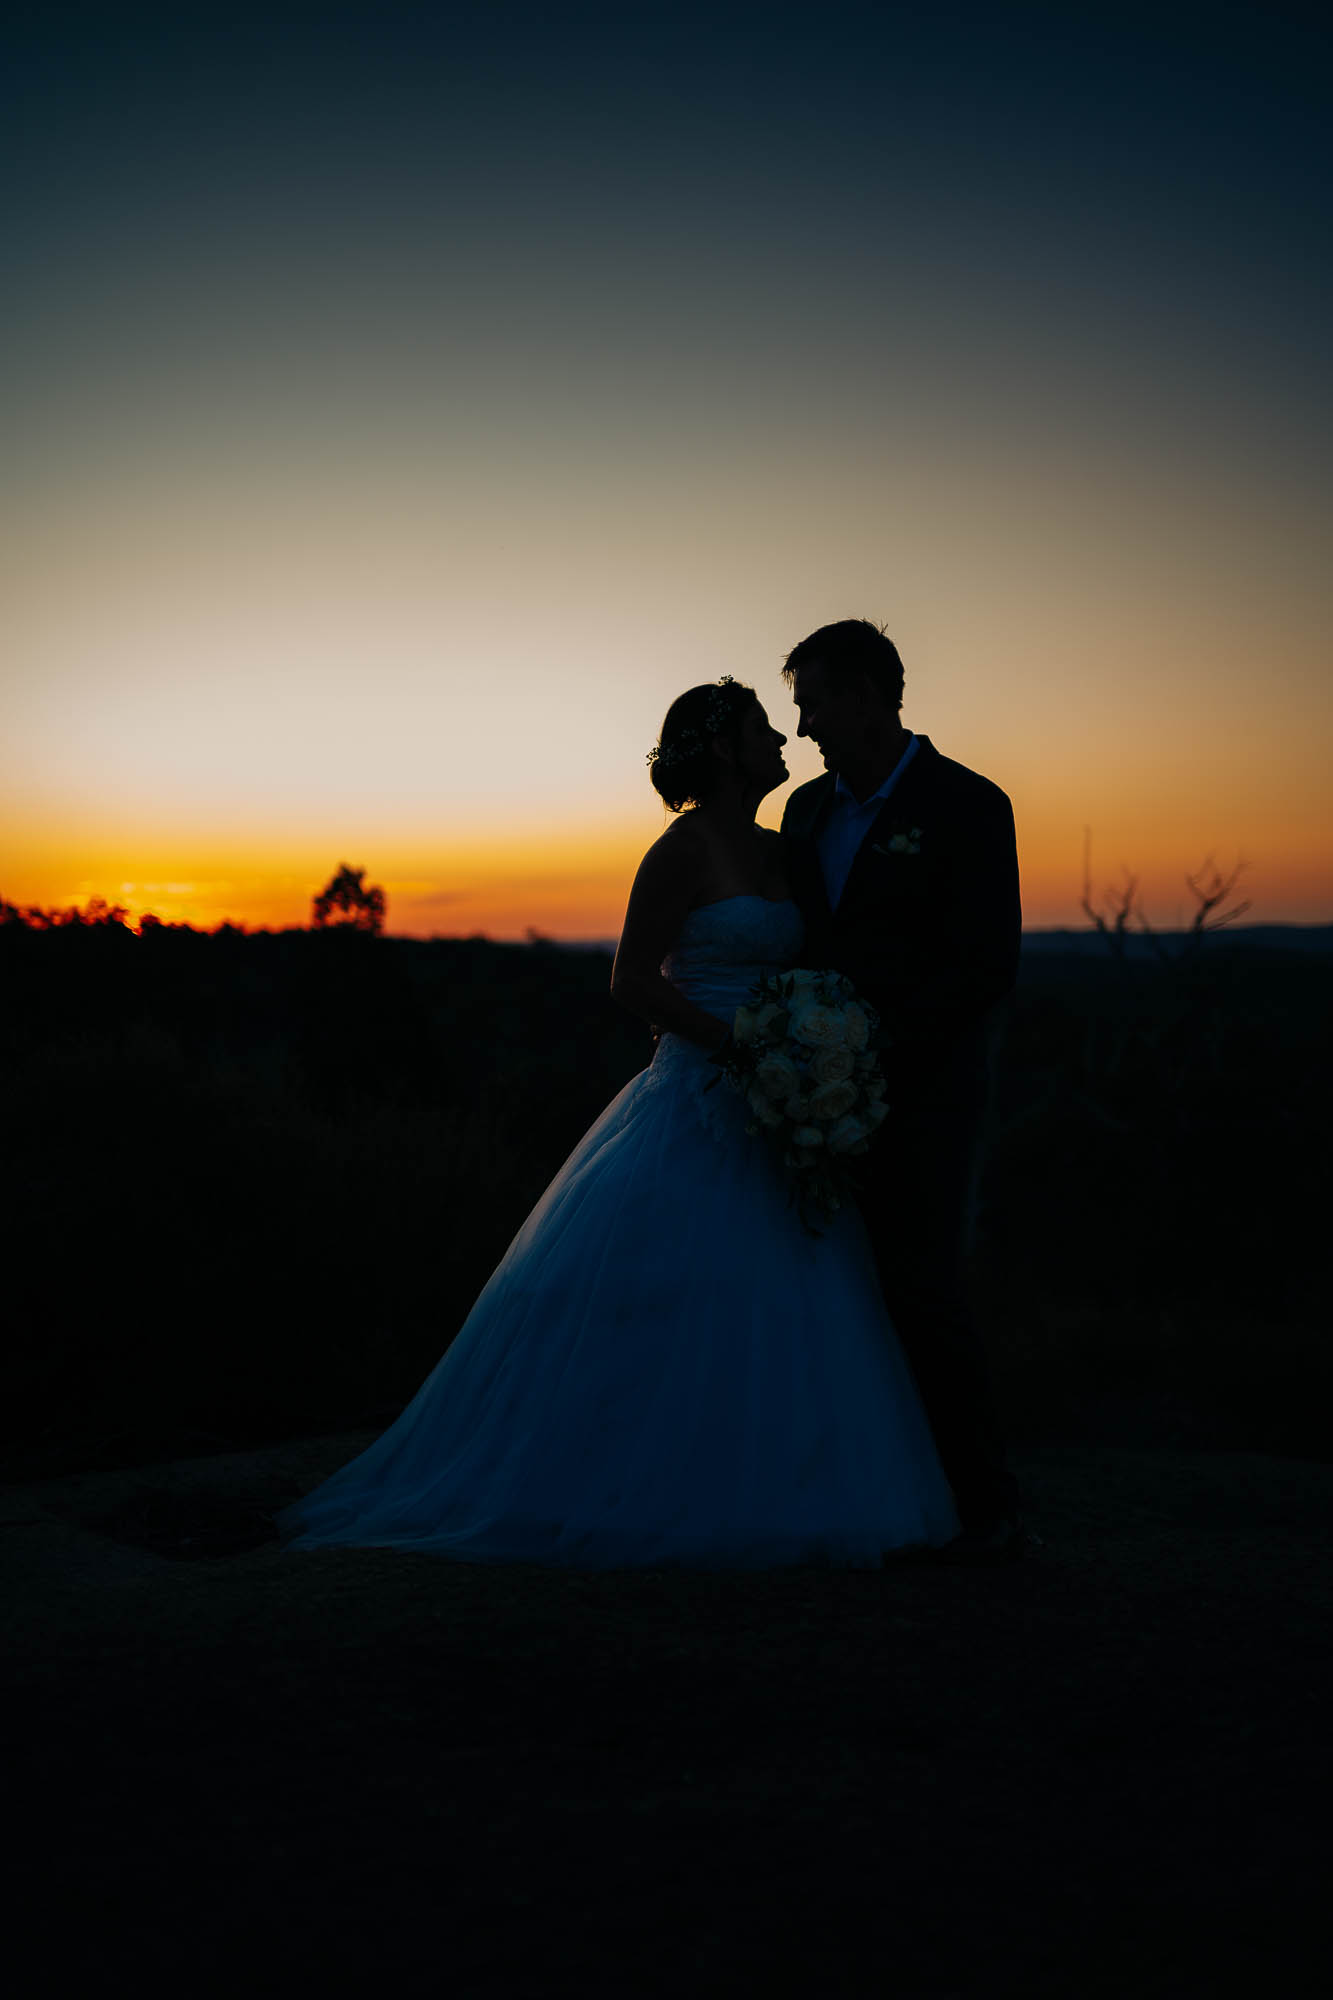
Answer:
(664, 890)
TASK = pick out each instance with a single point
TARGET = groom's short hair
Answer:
(851, 647)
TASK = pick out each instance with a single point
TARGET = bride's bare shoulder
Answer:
(681, 846)
(673, 866)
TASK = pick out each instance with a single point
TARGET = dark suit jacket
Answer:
(928, 925)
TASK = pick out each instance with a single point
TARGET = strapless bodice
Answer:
(722, 948)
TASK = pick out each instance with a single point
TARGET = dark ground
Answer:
(1104, 1771)
(252, 1185)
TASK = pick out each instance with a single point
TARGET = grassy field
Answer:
(253, 1186)
(1090, 1776)
(253, 1183)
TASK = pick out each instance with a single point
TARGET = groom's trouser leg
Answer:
(918, 1207)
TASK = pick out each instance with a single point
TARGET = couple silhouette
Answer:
(665, 1367)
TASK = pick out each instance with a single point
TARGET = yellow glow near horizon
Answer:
(223, 685)
(574, 884)
(363, 503)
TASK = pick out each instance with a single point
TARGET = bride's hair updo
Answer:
(681, 764)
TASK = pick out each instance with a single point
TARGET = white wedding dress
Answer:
(665, 1367)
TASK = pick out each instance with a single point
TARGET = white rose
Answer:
(875, 1113)
(807, 1136)
(743, 1027)
(763, 1107)
(874, 1088)
(800, 984)
(848, 1133)
(771, 1021)
(832, 1100)
(818, 1027)
(832, 1065)
(777, 1076)
(856, 1025)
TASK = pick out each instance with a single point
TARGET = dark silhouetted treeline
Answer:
(254, 1181)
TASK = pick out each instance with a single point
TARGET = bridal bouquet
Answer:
(800, 1055)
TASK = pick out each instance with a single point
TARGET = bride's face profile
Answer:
(759, 761)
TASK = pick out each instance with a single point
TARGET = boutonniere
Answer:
(901, 843)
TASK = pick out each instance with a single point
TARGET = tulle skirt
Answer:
(665, 1368)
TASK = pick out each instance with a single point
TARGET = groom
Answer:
(905, 868)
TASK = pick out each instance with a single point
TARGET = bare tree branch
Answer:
(1120, 903)
(1211, 889)
(1208, 885)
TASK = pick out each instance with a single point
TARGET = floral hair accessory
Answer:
(687, 742)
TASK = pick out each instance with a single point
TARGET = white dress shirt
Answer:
(847, 823)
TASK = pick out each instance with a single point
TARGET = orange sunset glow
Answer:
(382, 520)
(503, 801)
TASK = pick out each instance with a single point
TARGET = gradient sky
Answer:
(400, 411)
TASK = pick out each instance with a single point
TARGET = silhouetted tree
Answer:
(99, 915)
(345, 903)
(1120, 903)
(1209, 887)
(104, 915)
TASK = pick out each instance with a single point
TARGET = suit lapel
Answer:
(813, 803)
(905, 799)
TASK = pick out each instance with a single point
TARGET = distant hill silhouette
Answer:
(1085, 943)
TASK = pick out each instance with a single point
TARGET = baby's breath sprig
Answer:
(689, 741)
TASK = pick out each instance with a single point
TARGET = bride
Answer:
(665, 1367)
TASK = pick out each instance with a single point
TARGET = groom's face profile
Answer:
(834, 714)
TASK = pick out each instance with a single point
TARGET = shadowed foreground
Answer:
(1100, 1772)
